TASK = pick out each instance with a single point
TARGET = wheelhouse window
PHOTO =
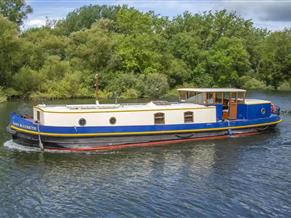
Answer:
(241, 97)
(210, 98)
(159, 118)
(188, 117)
(219, 98)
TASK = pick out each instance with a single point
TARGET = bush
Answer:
(173, 93)
(130, 93)
(286, 86)
(27, 81)
(154, 85)
(248, 82)
(3, 96)
(123, 84)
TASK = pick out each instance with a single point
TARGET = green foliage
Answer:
(227, 61)
(93, 48)
(248, 82)
(15, 10)
(276, 58)
(285, 85)
(134, 22)
(138, 54)
(84, 17)
(9, 50)
(3, 96)
(154, 85)
(121, 83)
(27, 80)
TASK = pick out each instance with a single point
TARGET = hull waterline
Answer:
(103, 143)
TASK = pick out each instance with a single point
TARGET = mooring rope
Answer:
(39, 138)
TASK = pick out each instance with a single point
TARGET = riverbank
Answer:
(106, 95)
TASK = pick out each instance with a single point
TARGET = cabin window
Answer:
(112, 120)
(188, 117)
(82, 122)
(225, 100)
(219, 98)
(233, 97)
(159, 118)
(210, 98)
(183, 96)
(195, 97)
(241, 97)
(38, 116)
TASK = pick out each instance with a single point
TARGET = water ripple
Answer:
(246, 177)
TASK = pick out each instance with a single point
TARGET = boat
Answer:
(200, 113)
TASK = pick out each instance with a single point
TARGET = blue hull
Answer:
(25, 131)
(21, 124)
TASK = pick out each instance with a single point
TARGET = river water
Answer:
(246, 177)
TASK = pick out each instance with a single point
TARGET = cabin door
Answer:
(232, 107)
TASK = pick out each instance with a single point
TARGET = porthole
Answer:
(263, 111)
(82, 122)
(112, 120)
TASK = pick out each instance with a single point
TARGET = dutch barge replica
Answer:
(201, 113)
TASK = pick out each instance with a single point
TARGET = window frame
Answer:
(159, 118)
(38, 116)
(188, 115)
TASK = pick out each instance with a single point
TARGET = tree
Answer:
(132, 21)
(84, 17)
(154, 85)
(9, 50)
(275, 65)
(227, 61)
(15, 10)
(40, 43)
(93, 46)
(139, 54)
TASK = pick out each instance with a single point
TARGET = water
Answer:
(247, 177)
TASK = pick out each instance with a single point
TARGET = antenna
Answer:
(97, 88)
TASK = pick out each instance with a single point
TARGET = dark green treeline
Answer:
(139, 54)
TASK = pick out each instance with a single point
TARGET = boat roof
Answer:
(211, 90)
(119, 107)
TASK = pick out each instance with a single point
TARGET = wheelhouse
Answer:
(226, 100)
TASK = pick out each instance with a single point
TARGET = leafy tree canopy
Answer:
(15, 10)
(139, 54)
